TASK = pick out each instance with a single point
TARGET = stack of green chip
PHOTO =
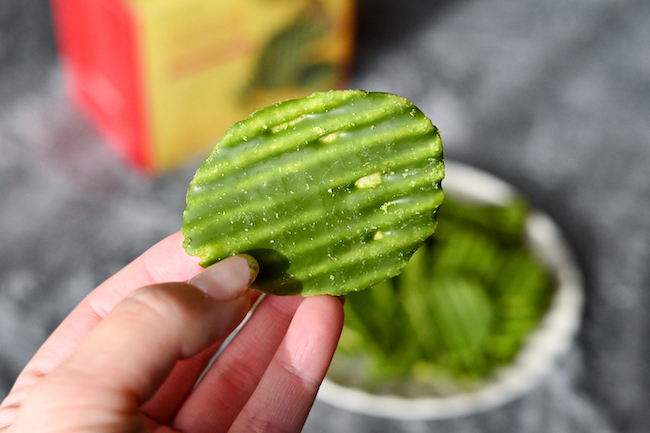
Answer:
(461, 308)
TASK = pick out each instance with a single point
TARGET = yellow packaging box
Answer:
(164, 79)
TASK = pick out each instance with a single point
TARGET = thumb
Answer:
(126, 358)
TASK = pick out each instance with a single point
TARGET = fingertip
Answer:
(323, 316)
(227, 279)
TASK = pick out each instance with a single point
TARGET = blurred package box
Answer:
(162, 80)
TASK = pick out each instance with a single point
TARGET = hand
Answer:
(127, 358)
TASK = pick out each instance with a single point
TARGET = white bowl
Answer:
(540, 352)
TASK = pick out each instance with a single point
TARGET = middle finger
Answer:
(229, 383)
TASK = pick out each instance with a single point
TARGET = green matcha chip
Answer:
(331, 193)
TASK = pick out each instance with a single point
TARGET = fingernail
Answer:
(227, 279)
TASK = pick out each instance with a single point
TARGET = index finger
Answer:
(166, 261)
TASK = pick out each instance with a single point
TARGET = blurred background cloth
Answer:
(553, 96)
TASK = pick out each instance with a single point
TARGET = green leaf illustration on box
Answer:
(290, 58)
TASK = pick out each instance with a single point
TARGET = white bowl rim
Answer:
(540, 353)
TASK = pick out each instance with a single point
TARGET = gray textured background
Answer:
(551, 95)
